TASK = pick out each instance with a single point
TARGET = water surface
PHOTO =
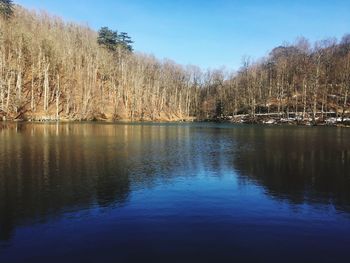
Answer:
(174, 193)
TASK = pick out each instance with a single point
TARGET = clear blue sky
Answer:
(207, 33)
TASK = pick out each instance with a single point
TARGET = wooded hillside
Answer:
(54, 70)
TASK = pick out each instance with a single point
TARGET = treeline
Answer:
(294, 79)
(51, 69)
(58, 70)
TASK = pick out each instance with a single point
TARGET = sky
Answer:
(207, 33)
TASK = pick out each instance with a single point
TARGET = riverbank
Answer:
(239, 119)
(326, 119)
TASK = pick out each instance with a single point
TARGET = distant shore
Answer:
(258, 119)
(326, 119)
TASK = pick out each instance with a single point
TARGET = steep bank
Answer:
(55, 70)
(51, 69)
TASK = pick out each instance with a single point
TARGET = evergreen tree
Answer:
(6, 8)
(126, 41)
(108, 38)
(111, 39)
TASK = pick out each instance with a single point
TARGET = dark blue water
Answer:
(174, 193)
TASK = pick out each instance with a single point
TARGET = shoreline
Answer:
(330, 122)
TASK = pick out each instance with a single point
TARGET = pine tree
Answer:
(6, 8)
(108, 38)
(111, 39)
(125, 41)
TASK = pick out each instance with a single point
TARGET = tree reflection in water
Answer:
(49, 169)
(297, 164)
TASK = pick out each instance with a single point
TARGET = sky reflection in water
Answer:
(171, 192)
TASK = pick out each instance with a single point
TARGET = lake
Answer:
(201, 192)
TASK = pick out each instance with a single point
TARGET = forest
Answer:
(54, 70)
